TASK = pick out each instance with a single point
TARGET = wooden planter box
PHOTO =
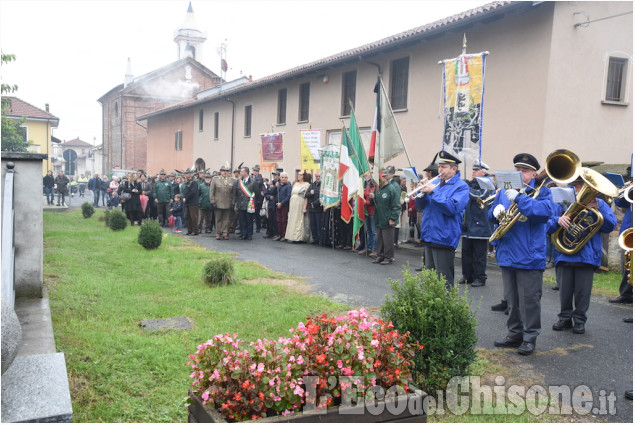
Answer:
(379, 412)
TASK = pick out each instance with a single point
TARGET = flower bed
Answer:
(328, 361)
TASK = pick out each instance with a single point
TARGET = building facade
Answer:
(37, 127)
(124, 137)
(558, 75)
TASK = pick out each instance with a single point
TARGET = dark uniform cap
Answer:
(189, 171)
(208, 176)
(224, 168)
(432, 167)
(446, 158)
(525, 160)
(256, 167)
(162, 172)
(389, 169)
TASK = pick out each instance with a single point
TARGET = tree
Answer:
(12, 135)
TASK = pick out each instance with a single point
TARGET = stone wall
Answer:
(28, 221)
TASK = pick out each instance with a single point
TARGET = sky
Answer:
(71, 52)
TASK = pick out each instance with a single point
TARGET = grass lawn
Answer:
(103, 283)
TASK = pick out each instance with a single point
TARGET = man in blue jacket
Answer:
(443, 204)
(521, 255)
(575, 271)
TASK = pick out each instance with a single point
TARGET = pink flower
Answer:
(374, 343)
(261, 367)
(272, 382)
(340, 364)
(300, 360)
(287, 412)
(298, 391)
(205, 395)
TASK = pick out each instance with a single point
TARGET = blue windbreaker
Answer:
(443, 212)
(523, 246)
(591, 252)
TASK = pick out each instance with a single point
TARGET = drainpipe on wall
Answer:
(231, 166)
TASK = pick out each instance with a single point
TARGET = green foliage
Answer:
(150, 235)
(12, 134)
(117, 220)
(440, 320)
(87, 210)
(106, 218)
(219, 271)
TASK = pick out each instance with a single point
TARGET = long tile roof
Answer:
(393, 41)
(20, 108)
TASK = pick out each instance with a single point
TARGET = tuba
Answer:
(563, 166)
(626, 243)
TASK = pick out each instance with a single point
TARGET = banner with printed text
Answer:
(310, 150)
(271, 146)
(329, 188)
(463, 91)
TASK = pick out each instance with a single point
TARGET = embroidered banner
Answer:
(329, 188)
(463, 90)
(271, 146)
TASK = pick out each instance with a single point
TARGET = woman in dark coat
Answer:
(132, 206)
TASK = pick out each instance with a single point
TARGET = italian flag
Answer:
(348, 174)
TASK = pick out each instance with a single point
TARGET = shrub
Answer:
(439, 319)
(219, 271)
(150, 234)
(87, 210)
(106, 218)
(264, 378)
(117, 220)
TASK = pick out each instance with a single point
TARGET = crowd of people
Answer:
(442, 211)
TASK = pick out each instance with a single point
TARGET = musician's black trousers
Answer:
(474, 259)
(575, 285)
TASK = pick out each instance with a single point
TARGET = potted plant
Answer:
(343, 366)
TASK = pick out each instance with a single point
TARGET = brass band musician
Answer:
(575, 271)
(476, 231)
(521, 254)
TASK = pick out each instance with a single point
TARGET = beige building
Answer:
(558, 75)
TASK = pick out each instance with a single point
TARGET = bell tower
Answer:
(188, 38)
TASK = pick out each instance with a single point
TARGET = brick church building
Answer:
(124, 138)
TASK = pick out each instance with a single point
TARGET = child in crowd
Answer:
(177, 211)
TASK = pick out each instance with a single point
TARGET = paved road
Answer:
(601, 359)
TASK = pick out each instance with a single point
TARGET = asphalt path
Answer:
(601, 359)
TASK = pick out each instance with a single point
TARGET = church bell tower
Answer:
(188, 38)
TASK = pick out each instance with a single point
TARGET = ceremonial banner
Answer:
(310, 150)
(463, 91)
(330, 160)
(363, 171)
(388, 142)
(271, 146)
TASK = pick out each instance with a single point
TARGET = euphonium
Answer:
(564, 167)
(512, 215)
(626, 243)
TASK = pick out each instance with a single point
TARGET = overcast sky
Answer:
(71, 52)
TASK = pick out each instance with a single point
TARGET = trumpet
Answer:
(625, 192)
(487, 201)
(626, 243)
(423, 184)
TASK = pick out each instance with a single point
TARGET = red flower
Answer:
(320, 358)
